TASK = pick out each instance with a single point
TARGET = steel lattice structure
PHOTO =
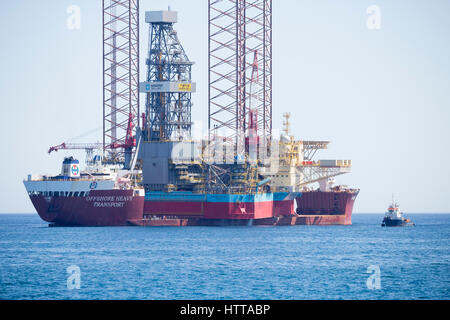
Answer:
(120, 74)
(169, 87)
(239, 30)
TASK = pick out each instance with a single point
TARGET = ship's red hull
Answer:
(182, 209)
(120, 208)
(274, 221)
(318, 220)
(186, 209)
(326, 208)
(100, 208)
(313, 208)
(215, 209)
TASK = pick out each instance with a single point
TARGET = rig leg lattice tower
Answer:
(239, 29)
(120, 77)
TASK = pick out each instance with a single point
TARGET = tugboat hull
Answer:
(396, 223)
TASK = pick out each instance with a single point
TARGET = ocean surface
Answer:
(300, 262)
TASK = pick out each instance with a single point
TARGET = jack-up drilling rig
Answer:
(242, 173)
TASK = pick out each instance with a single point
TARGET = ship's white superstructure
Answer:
(394, 212)
(96, 177)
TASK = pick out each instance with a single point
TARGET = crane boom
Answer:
(75, 146)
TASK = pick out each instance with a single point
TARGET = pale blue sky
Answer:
(381, 97)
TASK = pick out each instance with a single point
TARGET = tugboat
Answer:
(394, 217)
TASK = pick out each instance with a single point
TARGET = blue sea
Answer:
(363, 261)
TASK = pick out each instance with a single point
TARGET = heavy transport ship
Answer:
(191, 192)
(168, 178)
(100, 196)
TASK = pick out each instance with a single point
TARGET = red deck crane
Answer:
(130, 142)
